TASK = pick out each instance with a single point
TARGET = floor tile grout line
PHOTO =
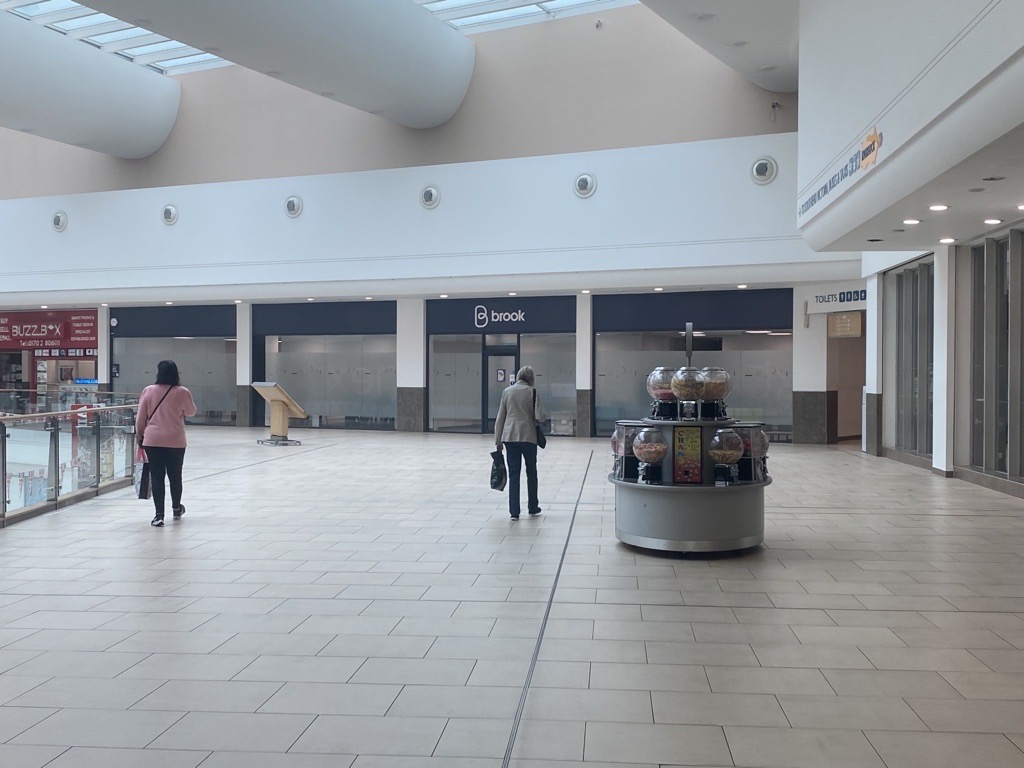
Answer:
(543, 624)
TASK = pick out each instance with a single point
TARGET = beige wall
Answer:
(846, 371)
(553, 87)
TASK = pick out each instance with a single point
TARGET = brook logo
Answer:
(481, 317)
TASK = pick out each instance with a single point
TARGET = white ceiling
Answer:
(757, 38)
(968, 210)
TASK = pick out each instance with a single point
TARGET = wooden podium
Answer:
(282, 407)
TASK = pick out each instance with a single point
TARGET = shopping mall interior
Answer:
(765, 257)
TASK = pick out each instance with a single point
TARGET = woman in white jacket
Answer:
(516, 430)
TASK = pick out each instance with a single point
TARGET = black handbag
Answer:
(541, 440)
(499, 475)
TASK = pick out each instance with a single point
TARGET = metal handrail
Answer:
(68, 414)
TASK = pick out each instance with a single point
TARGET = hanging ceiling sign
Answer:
(861, 160)
(73, 329)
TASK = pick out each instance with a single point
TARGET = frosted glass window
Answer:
(553, 359)
(347, 382)
(206, 365)
(455, 385)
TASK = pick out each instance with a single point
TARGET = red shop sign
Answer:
(63, 329)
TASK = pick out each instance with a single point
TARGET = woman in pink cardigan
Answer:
(160, 430)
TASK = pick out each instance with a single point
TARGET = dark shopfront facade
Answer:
(747, 332)
(475, 346)
(200, 339)
(338, 360)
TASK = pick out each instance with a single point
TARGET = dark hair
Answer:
(167, 373)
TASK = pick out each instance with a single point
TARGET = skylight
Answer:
(167, 56)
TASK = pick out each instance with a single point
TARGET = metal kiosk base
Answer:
(279, 440)
(695, 518)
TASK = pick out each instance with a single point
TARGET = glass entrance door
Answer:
(498, 374)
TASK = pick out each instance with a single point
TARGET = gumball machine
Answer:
(753, 465)
(726, 450)
(659, 385)
(717, 385)
(688, 387)
(650, 448)
(625, 465)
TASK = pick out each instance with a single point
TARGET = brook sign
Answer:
(481, 316)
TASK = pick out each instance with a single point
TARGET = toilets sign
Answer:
(482, 316)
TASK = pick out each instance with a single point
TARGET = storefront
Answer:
(476, 346)
(337, 360)
(749, 333)
(200, 339)
(45, 352)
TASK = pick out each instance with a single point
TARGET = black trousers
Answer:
(165, 462)
(515, 453)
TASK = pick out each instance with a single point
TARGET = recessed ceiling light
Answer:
(780, 333)
(874, 240)
(739, 44)
(976, 189)
(310, 299)
(43, 306)
(769, 68)
(585, 290)
(993, 221)
(327, 94)
(659, 290)
(706, 17)
(758, 332)
(1020, 207)
(367, 298)
(238, 301)
(947, 240)
(273, 73)
(911, 222)
(444, 296)
(511, 293)
(104, 305)
(938, 207)
(899, 230)
(168, 303)
(994, 178)
(742, 286)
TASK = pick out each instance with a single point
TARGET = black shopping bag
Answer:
(143, 486)
(499, 475)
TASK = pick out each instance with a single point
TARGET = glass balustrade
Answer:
(51, 458)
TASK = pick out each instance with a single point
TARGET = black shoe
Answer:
(157, 522)
(515, 517)
(178, 512)
(536, 511)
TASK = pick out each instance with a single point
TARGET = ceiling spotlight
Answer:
(938, 207)
(976, 189)
(43, 306)
(706, 17)
(739, 44)
(168, 303)
(310, 299)
(770, 68)
(994, 178)
(368, 298)
(511, 293)
(104, 305)
(911, 222)
(742, 286)
(238, 301)
(947, 240)
(444, 296)
(993, 221)
(273, 73)
(874, 239)
(659, 290)
(585, 290)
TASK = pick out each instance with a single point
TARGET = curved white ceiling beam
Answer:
(388, 57)
(57, 88)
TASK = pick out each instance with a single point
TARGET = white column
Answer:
(943, 382)
(102, 345)
(810, 350)
(584, 342)
(873, 349)
(411, 342)
(243, 344)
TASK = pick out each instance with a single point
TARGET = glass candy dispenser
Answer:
(688, 387)
(717, 384)
(625, 465)
(726, 450)
(753, 465)
(659, 385)
(650, 447)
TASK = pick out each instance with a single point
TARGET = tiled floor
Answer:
(362, 600)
